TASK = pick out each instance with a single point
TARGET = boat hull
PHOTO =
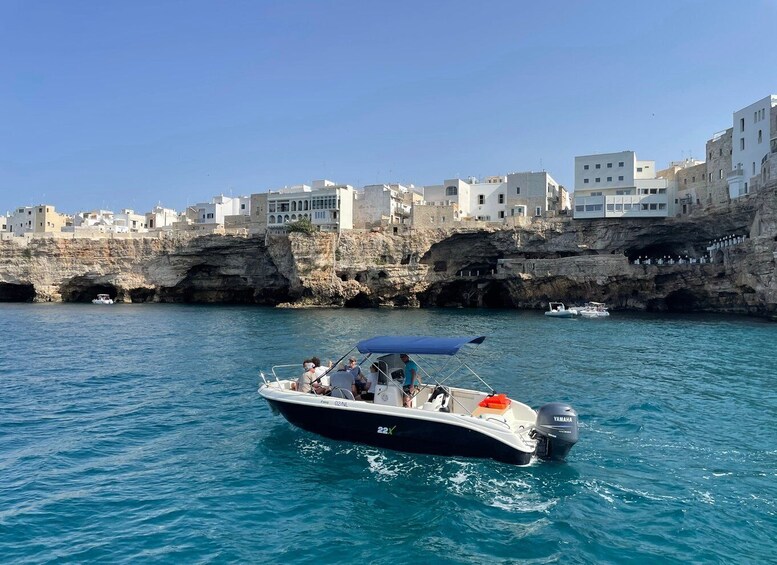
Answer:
(392, 431)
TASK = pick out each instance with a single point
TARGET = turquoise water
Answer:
(134, 433)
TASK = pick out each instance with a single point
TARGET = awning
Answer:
(416, 344)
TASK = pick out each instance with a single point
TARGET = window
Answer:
(741, 124)
(742, 143)
(609, 179)
(609, 165)
(661, 206)
(653, 206)
(611, 207)
(620, 177)
(538, 211)
(620, 163)
(710, 157)
(693, 179)
(585, 167)
(242, 206)
(585, 181)
(481, 199)
(501, 198)
(753, 167)
(755, 116)
(501, 213)
(622, 192)
(598, 179)
(685, 181)
(518, 189)
(596, 194)
(720, 173)
(720, 152)
(639, 169)
(598, 166)
(579, 208)
(760, 136)
(452, 191)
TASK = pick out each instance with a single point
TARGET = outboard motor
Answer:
(555, 431)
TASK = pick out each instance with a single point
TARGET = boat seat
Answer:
(338, 392)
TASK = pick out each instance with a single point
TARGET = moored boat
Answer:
(558, 310)
(432, 418)
(102, 299)
(594, 310)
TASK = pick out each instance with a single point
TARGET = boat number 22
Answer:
(386, 431)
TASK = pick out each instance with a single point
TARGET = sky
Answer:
(133, 104)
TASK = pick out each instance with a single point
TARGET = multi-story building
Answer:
(534, 194)
(616, 185)
(383, 204)
(500, 197)
(127, 221)
(754, 139)
(161, 218)
(327, 205)
(214, 212)
(36, 219)
(3, 224)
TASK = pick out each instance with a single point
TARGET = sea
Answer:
(135, 434)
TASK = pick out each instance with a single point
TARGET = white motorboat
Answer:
(102, 299)
(558, 310)
(440, 419)
(594, 310)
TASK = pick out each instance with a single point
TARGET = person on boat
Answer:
(320, 371)
(412, 379)
(305, 381)
(358, 376)
(372, 381)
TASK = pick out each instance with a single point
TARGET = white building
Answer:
(127, 221)
(752, 136)
(497, 198)
(36, 219)
(379, 204)
(534, 194)
(327, 205)
(213, 212)
(3, 223)
(161, 218)
(617, 185)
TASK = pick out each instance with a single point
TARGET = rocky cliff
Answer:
(557, 259)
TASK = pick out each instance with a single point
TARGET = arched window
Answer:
(306, 204)
(294, 217)
(272, 220)
(286, 218)
(452, 191)
(299, 206)
(294, 206)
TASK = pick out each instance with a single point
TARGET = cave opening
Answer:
(361, 300)
(141, 294)
(681, 301)
(11, 292)
(83, 289)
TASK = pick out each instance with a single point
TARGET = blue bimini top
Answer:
(419, 344)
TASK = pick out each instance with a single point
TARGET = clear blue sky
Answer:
(126, 104)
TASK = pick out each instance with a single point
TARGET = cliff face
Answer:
(550, 260)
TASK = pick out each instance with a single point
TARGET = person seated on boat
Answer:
(305, 381)
(321, 371)
(309, 382)
(372, 381)
(359, 379)
(412, 383)
(343, 381)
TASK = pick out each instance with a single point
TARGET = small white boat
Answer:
(558, 310)
(102, 299)
(433, 418)
(594, 310)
